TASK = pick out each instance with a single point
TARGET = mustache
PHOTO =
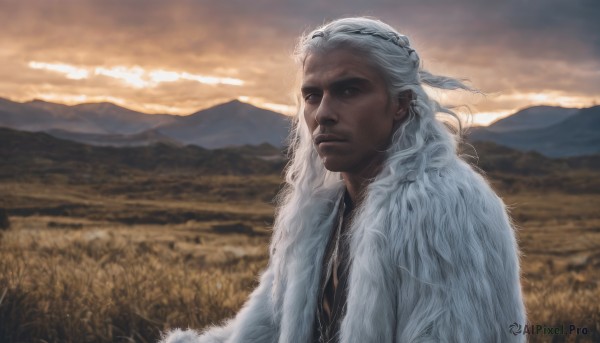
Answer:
(327, 136)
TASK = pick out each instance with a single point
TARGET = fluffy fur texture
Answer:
(433, 252)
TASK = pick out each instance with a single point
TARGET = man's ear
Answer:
(404, 100)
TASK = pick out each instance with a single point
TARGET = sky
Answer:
(180, 56)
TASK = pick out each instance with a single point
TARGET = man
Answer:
(383, 234)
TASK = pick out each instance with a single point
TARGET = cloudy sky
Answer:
(179, 56)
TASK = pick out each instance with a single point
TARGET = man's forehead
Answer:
(335, 66)
(333, 76)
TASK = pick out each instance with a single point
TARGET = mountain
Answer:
(231, 124)
(147, 137)
(552, 131)
(38, 117)
(97, 118)
(120, 120)
(535, 117)
(576, 135)
(40, 155)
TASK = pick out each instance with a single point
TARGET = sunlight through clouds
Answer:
(260, 102)
(171, 76)
(549, 97)
(485, 118)
(72, 99)
(71, 72)
(132, 76)
(209, 80)
(135, 76)
(183, 56)
(164, 76)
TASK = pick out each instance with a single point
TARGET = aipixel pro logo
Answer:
(515, 328)
(533, 329)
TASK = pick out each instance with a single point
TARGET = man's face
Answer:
(348, 110)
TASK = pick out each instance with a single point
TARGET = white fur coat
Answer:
(434, 260)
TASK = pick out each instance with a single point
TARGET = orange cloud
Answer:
(184, 55)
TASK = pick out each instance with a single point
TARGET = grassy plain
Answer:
(121, 260)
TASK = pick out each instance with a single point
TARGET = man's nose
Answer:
(326, 113)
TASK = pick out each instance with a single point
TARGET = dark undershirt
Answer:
(332, 307)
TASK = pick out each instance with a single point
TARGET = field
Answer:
(124, 259)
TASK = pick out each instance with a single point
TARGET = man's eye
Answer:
(312, 97)
(350, 91)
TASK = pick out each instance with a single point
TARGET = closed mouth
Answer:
(325, 138)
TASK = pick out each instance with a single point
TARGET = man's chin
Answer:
(335, 170)
(334, 166)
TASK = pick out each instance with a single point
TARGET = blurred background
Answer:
(142, 144)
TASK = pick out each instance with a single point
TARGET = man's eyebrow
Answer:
(349, 81)
(308, 89)
(344, 82)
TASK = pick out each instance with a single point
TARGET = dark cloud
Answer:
(527, 45)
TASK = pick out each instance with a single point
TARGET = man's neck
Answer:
(357, 182)
(354, 187)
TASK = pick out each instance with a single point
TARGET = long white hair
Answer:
(421, 142)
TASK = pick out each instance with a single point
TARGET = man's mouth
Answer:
(326, 138)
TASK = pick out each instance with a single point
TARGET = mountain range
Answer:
(39, 157)
(96, 118)
(104, 124)
(552, 131)
(536, 117)
(25, 154)
(564, 132)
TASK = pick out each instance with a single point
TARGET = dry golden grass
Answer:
(86, 277)
(559, 237)
(113, 284)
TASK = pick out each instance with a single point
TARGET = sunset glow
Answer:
(70, 72)
(551, 98)
(71, 99)
(180, 57)
(131, 76)
(485, 118)
(138, 78)
(280, 108)
(135, 76)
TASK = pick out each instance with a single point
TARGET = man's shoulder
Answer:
(457, 178)
(456, 192)
(450, 202)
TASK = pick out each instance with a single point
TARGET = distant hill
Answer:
(576, 135)
(552, 131)
(499, 159)
(535, 117)
(39, 157)
(231, 124)
(33, 118)
(147, 137)
(104, 124)
(20, 150)
(120, 120)
(27, 154)
(97, 118)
